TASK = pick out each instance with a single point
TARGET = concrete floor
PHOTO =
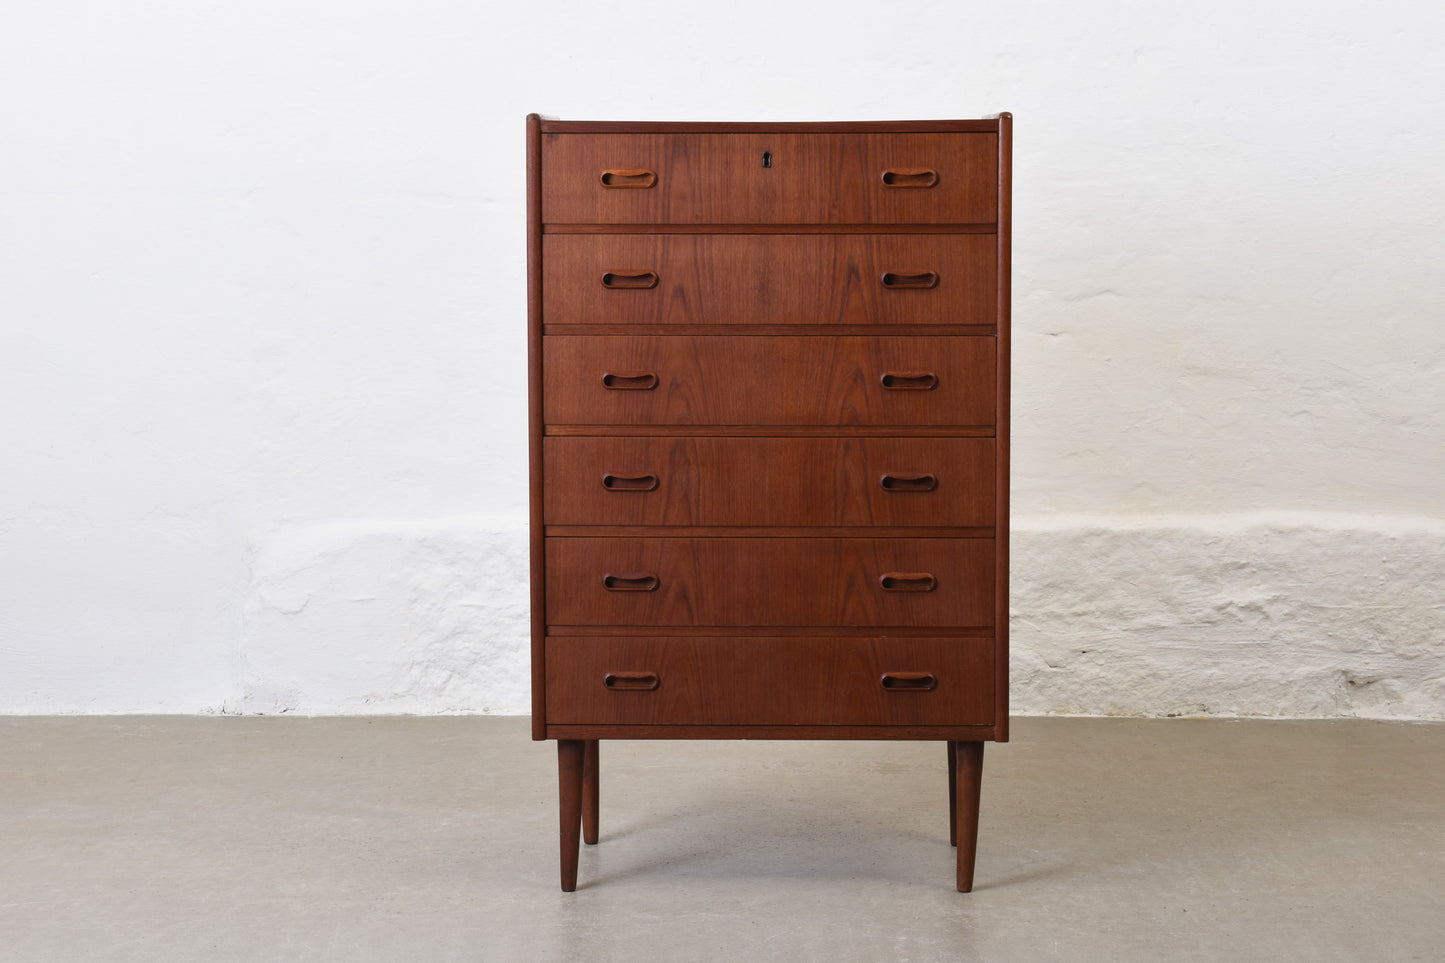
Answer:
(412, 839)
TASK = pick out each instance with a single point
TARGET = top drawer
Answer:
(770, 178)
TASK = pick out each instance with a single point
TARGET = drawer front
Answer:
(770, 279)
(762, 381)
(769, 481)
(770, 581)
(885, 178)
(769, 681)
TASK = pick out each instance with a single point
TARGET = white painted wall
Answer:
(262, 334)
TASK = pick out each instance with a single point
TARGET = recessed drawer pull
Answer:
(632, 380)
(908, 483)
(629, 583)
(908, 582)
(634, 681)
(909, 380)
(909, 282)
(909, 177)
(631, 177)
(909, 681)
(632, 280)
(629, 483)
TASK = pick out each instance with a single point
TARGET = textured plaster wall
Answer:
(262, 349)
(1260, 614)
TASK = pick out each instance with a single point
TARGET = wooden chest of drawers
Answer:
(769, 440)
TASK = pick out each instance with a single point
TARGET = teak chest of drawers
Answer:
(769, 440)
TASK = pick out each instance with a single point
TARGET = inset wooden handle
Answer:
(635, 681)
(634, 178)
(629, 280)
(909, 380)
(909, 177)
(629, 483)
(908, 483)
(908, 582)
(631, 380)
(908, 681)
(894, 281)
(629, 583)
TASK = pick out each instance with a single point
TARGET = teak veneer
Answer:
(769, 395)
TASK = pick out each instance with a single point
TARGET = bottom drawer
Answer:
(769, 681)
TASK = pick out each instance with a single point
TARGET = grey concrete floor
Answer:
(182, 838)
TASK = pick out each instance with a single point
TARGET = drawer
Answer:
(726, 380)
(692, 178)
(770, 581)
(768, 481)
(769, 681)
(770, 279)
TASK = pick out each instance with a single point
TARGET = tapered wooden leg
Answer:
(952, 794)
(968, 779)
(569, 779)
(589, 793)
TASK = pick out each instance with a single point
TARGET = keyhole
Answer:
(767, 158)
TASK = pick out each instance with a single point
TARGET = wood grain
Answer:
(770, 681)
(534, 419)
(769, 381)
(1003, 415)
(769, 531)
(569, 808)
(914, 733)
(591, 786)
(771, 330)
(790, 631)
(795, 484)
(770, 279)
(952, 793)
(771, 431)
(968, 776)
(778, 581)
(553, 125)
(706, 178)
(779, 228)
(770, 481)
